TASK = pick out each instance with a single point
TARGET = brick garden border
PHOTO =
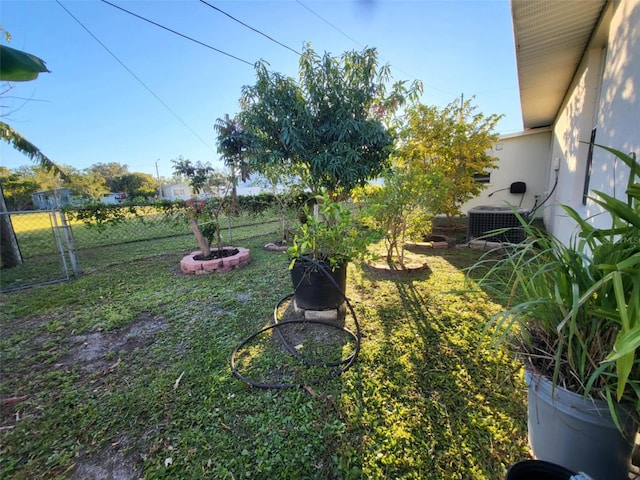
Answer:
(218, 265)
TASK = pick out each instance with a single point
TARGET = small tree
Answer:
(402, 205)
(330, 125)
(452, 141)
(197, 174)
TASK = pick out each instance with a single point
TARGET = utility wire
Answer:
(136, 77)
(250, 27)
(178, 33)
(332, 25)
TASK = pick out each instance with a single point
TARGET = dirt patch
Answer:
(99, 351)
(309, 332)
(110, 463)
(413, 262)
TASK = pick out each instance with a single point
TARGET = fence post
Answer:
(56, 233)
(68, 237)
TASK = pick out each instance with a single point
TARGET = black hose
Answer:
(336, 368)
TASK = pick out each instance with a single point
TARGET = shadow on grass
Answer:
(446, 397)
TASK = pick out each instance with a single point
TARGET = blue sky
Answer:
(91, 109)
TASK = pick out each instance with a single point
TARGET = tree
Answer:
(232, 145)
(330, 124)
(109, 172)
(17, 189)
(452, 141)
(198, 174)
(135, 184)
(87, 184)
(404, 203)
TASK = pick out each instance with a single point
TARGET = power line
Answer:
(331, 25)
(178, 33)
(136, 77)
(250, 27)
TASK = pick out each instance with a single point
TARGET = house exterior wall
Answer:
(522, 157)
(47, 199)
(619, 108)
(603, 95)
(178, 191)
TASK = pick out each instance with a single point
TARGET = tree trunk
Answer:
(205, 250)
(9, 248)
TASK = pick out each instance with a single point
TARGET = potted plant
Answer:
(329, 130)
(324, 244)
(573, 316)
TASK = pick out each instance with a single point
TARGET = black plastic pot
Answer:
(313, 289)
(538, 470)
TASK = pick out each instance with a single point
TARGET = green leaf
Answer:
(19, 66)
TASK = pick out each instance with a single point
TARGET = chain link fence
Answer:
(40, 247)
(36, 248)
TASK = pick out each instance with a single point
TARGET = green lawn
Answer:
(147, 234)
(124, 372)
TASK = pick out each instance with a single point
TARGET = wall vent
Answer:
(485, 219)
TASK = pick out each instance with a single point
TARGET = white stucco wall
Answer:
(604, 95)
(522, 157)
(619, 108)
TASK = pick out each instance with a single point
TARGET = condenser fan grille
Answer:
(486, 219)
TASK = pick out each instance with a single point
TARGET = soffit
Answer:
(551, 37)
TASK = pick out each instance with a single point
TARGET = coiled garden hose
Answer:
(337, 368)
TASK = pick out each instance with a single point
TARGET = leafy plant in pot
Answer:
(573, 316)
(329, 129)
(322, 247)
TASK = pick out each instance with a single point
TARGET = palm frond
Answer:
(17, 141)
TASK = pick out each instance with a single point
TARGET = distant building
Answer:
(177, 191)
(48, 199)
(112, 198)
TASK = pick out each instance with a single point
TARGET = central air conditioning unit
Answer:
(486, 219)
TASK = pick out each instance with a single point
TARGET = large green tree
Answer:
(452, 141)
(17, 189)
(109, 172)
(135, 184)
(85, 183)
(331, 123)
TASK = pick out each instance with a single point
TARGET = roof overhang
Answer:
(551, 37)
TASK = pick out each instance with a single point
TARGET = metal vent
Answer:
(486, 219)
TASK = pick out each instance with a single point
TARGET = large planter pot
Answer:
(577, 432)
(313, 289)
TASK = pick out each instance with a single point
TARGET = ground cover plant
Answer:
(124, 373)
